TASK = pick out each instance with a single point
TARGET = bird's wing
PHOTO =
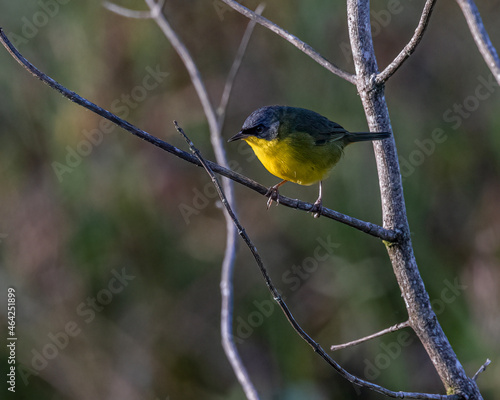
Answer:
(322, 129)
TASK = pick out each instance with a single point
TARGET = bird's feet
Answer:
(316, 208)
(274, 195)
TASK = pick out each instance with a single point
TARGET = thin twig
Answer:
(382, 77)
(375, 335)
(125, 12)
(481, 37)
(277, 297)
(221, 110)
(482, 369)
(302, 46)
(193, 71)
(367, 227)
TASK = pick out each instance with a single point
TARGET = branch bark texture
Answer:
(481, 37)
(422, 318)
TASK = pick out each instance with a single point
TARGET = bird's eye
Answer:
(259, 129)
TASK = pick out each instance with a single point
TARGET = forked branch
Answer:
(422, 318)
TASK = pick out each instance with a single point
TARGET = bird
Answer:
(298, 145)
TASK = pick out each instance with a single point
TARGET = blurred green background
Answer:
(114, 247)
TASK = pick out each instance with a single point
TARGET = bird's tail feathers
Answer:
(365, 136)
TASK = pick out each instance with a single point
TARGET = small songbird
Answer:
(298, 145)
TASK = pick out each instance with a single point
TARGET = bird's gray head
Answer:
(262, 123)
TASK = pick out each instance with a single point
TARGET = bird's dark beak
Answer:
(239, 135)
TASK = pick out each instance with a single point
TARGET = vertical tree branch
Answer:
(215, 125)
(422, 318)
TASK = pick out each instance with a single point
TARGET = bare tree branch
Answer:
(389, 235)
(410, 47)
(369, 337)
(125, 12)
(277, 297)
(481, 37)
(482, 369)
(215, 122)
(226, 283)
(422, 318)
(302, 46)
(221, 110)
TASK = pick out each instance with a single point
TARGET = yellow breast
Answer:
(297, 158)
